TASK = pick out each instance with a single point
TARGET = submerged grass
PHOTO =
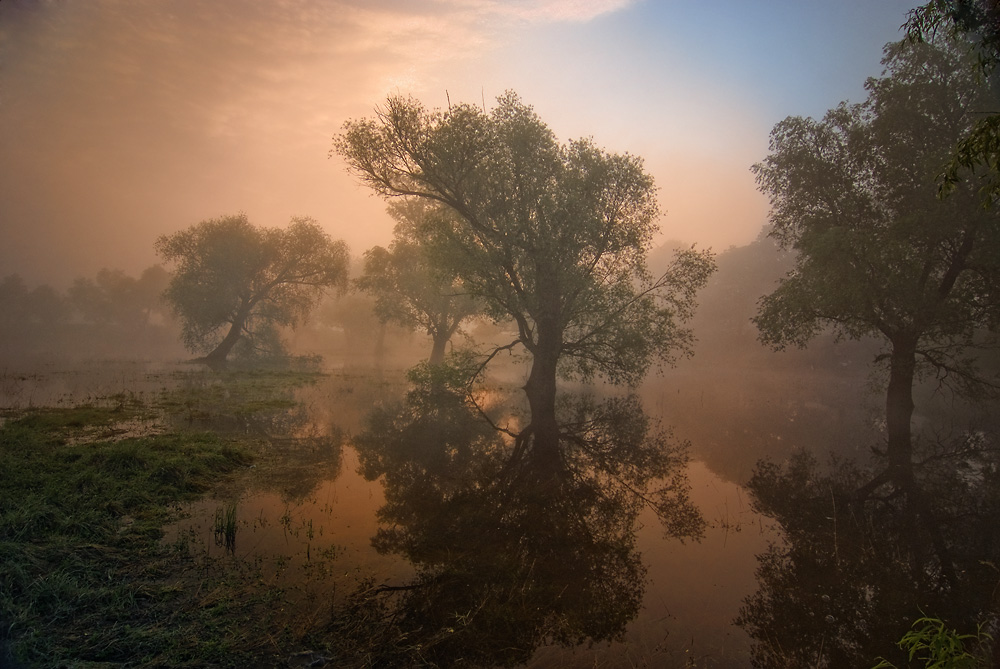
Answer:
(225, 527)
(85, 579)
(241, 392)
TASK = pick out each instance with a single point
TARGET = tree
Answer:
(410, 289)
(975, 19)
(30, 319)
(236, 281)
(879, 254)
(553, 236)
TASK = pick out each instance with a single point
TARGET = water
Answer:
(308, 525)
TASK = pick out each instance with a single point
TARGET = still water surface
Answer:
(310, 527)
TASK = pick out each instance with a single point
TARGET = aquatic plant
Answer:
(930, 641)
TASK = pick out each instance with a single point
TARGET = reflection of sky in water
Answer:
(55, 385)
(321, 541)
(694, 589)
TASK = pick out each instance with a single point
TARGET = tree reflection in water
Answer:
(513, 550)
(855, 572)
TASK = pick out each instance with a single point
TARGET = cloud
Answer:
(541, 11)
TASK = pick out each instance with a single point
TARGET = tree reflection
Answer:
(514, 550)
(853, 573)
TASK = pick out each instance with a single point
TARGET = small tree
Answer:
(410, 289)
(552, 236)
(236, 281)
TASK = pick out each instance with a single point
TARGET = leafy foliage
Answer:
(977, 22)
(930, 641)
(410, 288)
(977, 19)
(236, 280)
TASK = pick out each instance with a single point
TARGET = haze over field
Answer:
(123, 120)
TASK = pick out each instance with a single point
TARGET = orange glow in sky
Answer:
(121, 120)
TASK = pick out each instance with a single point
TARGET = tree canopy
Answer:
(114, 297)
(879, 254)
(552, 236)
(237, 282)
(976, 23)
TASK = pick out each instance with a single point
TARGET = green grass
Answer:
(931, 642)
(85, 579)
(225, 527)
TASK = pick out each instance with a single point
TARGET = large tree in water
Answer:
(879, 253)
(553, 236)
(236, 282)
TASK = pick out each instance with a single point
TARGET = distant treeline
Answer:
(727, 337)
(110, 315)
(114, 315)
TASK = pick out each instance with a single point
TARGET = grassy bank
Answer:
(85, 578)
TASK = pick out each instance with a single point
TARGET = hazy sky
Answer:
(121, 120)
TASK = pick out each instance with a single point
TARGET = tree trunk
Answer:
(218, 357)
(919, 519)
(540, 390)
(899, 411)
(437, 351)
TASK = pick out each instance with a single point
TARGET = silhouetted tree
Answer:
(553, 236)
(236, 281)
(30, 319)
(878, 254)
(13, 307)
(410, 289)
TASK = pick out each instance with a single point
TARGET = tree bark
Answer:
(437, 351)
(218, 358)
(540, 390)
(899, 411)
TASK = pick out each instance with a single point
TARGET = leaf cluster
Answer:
(932, 642)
